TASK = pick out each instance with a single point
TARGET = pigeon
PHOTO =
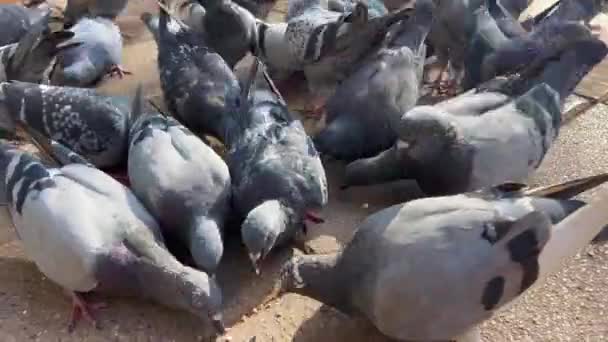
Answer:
(363, 114)
(192, 14)
(505, 19)
(277, 176)
(571, 10)
(92, 125)
(16, 21)
(199, 87)
(497, 132)
(229, 29)
(99, 54)
(181, 181)
(499, 45)
(453, 24)
(31, 59)
(326, 44)
(75, 10)
(87, 232)
(484, 244)
(376, 7)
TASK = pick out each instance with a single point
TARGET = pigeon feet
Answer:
(118, 70)
(313, 218)
(317, 108)
(82, 309)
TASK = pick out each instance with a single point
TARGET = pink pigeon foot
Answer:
(82, 309)
(119, 71)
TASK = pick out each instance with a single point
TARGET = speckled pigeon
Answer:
(434, 268)
(182, 182)
(497, 132)
(326, 44)
(199, 87)
(32, 58)
(277, 176)
(360, 113)
(99, 54)
(87, 232)
(92, 125)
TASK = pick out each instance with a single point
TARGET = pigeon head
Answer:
(206, 244)
(203, 297)
(262, 228)
(426, 133)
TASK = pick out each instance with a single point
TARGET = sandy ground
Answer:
(571, 306)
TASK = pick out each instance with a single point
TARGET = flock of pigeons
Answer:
(429, 269)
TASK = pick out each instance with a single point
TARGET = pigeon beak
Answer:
(255, 261)
(218, 323)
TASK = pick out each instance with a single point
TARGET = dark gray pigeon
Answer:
(363, 113)
(78, 9)
(182, 182)
(92, 125)
(505, 19)
(498, 132)
(199, 87)
(99, 53)
(31, 59)
(16, 21)
(433, 269)
(229, 29)
(326, 44)
(572, 10)
(494, 50)
(87, 232)
(449, 36)
(277, 176)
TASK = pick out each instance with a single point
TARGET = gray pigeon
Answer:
(277, 176)
(453, 24)
(326, 44)
(505, 19)
(498, 132)
(434, 268)
(31, 59)
(75, 10)
(98, 54)
(92, 125)
(87, 232)
(363, 113)
(229, 29)
(495, 49)
(183, 183)
(376, 8)
(199, 87)
(572, 10)
(16, 21)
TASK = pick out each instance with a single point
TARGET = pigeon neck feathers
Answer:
(318, 277)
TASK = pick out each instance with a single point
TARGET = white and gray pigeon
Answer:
(16, 21)
(326, 44)
(498, 132)
(182, 182)
(78, 9)
(88, 233)
(278, 180)
(433, 269)
(199, 87)
(363, 114)
(94, 126)
(98, 54)
(31, 59)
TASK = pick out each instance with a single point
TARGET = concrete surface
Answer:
(571, 306)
